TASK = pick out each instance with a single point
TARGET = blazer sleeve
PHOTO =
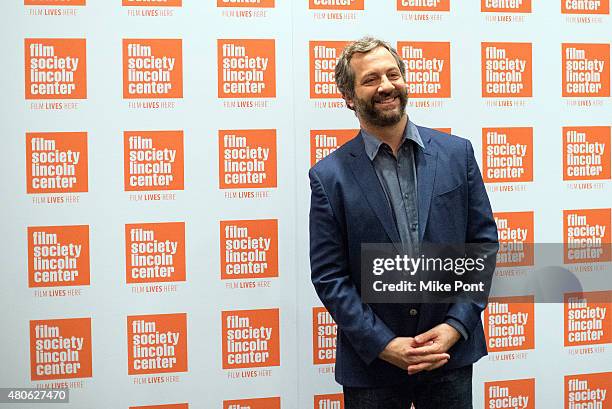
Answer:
(481, 228)
(329, 266)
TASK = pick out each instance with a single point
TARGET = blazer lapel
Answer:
(366, 177)
(426, 159)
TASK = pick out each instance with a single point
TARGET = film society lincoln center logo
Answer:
(590, 390)
(157, 343)
(587, 235)
(423, 5)
(58, 256)
(54, 2)
(246, 68)
(428, 71)
(153, 160)
(509, 324)
(507, 154)
(506, 70)
(516, 393)
(587, 318)
(56, 162)
(60, 348)
(250, 338)
(151, 3)
(255, 403)
(585, 6)
(55, 68)
(339, 5)
(155, 252)
(152, 68)
(249, 249)
(324, 332)
(586, 70)
(586, 153)
(325, 141)
(515, 231)
(247, 158)
(505, 6)
(323, 58)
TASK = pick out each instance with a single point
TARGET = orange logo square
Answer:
(445, 130)
(325, 141)
(329, 401)
(428, 68)
(152, 3)
(587, 235)
(54, 2)
(504, 6)
(169, 406)
(60, 349)
(152, 68)
(588, 390)
(246, 3)
(324, 333)
(249, 249)
(250, 338)
(506, 70)
(337, 5)
(518, 393)
(323, 58)
(247, 158)
(157, 343)
(585, 7)
(509, 323)
(515, 231)
(55, 68)
(255, 403)
(58, 256)
(154, 252)
(586, 153)
(246, 68)
(56, 162)
(587, 321)
(507, 154)
(153, 160)
(419, 5)
(585, 70)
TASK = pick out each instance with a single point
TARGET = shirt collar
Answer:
(373, 144)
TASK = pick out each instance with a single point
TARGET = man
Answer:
(395, 182)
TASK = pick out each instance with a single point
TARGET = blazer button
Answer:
(413, 311)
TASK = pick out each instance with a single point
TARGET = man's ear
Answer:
(349, 102)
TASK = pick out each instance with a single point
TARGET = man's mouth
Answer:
(387, 100)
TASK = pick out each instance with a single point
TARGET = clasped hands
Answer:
(425, 352)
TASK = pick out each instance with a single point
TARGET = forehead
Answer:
(376, 61)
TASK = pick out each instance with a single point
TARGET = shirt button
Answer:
(413, 226)
(405, 195)
(413, 311)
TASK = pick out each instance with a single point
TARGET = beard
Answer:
(368, 111)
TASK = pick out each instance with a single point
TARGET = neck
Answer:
(391, 135)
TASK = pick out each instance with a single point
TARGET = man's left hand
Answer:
(437, 340)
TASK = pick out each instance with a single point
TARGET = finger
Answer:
(437, 365)
(426, 336)
(424, 350)
(429, 358)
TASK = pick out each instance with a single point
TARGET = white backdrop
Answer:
(266, 112)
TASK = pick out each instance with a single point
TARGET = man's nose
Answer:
(385, 85)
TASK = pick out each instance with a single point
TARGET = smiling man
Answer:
(395, 182)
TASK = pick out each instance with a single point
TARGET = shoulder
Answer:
(442, 140)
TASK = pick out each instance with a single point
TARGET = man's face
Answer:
(380, 90)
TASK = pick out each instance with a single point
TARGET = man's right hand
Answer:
(404, 352)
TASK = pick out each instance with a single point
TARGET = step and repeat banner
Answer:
(155, 191)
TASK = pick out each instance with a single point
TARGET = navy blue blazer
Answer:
(349, 207)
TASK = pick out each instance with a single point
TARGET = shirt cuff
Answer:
(458, 326)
